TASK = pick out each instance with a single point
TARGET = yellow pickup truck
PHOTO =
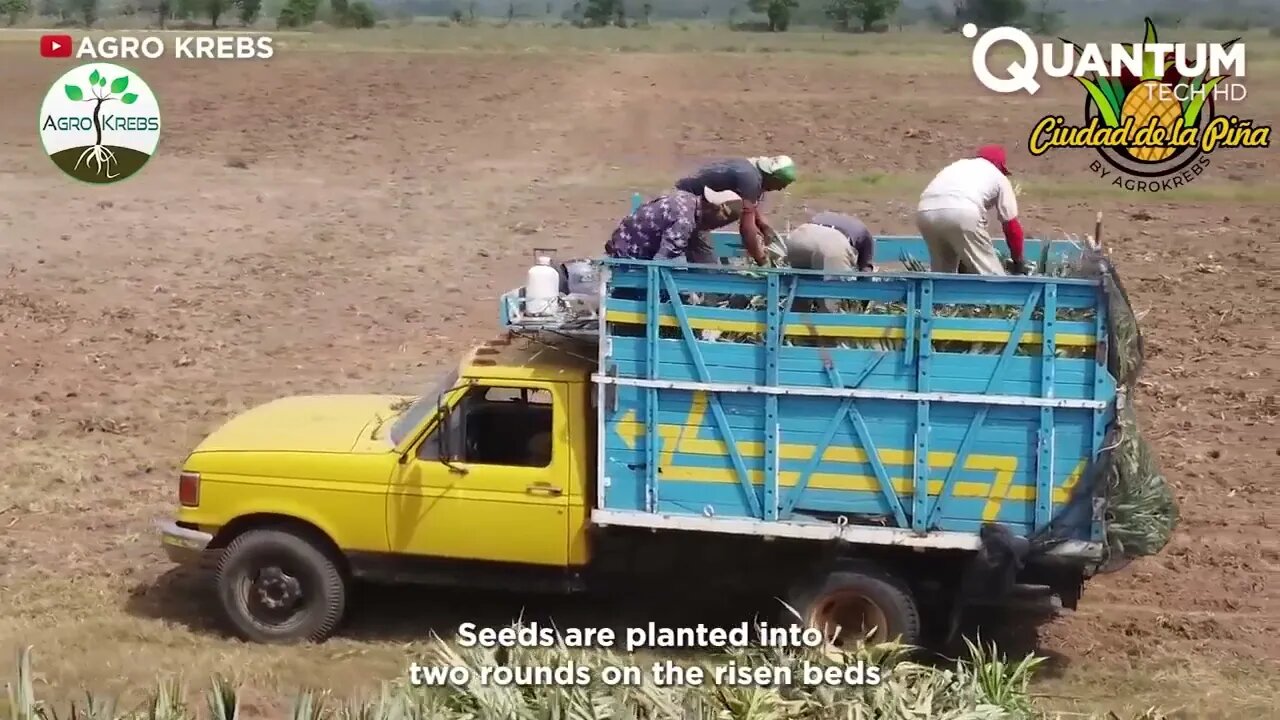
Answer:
(485, 475)
(857, 464)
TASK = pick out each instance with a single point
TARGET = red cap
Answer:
(994, 154)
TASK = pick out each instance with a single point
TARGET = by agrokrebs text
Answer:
(186, 47)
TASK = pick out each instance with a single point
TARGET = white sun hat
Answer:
(720, 197)
(776, 165)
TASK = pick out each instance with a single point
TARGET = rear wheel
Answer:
(277, 587)
(858, 602)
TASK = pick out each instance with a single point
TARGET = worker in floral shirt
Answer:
(674, 225)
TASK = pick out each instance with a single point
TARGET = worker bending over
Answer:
(675, 225)
(750, 178)
(833, 242)
(952, 215)
(830, 241)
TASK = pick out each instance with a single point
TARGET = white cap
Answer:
(720, 197)
(770, 165)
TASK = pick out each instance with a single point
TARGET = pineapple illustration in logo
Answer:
(1153, 96)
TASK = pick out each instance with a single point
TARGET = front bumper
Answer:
(183, 545)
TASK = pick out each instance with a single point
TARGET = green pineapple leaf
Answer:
(1196, 84)
(1115, 93)
(1193, 86)
(1196, 106)
(1149, 71)
(1107, 88)
(1100, 98)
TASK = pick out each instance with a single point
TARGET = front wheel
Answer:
(277, 587)
(858, 602)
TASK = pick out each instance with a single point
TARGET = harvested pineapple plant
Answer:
(100, 123)
(1152, 113)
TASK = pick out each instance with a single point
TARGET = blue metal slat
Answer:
(1045, 436)
(652, 439)
(774, 319)
(909, 347)
(1101, 388)
(920, 470)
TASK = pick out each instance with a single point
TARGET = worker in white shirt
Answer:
(952, 215)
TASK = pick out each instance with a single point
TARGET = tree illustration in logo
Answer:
(1152, 97)
(100, 156)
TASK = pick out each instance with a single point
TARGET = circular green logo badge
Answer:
(100, 123)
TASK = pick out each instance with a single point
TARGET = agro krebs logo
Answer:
(100, 123)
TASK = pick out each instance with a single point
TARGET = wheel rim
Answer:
(847, 617)
(274, 595)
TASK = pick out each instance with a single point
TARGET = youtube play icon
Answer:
(55, 46)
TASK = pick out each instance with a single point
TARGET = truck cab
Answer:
(484, 479)
(497, 468)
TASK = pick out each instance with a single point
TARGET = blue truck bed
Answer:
(883, 433)
(727, 406)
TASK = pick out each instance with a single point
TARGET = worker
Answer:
(750, 178)
(833, 242)
(952, 215)
(673, 226)
(669, 227)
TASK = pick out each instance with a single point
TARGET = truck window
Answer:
(533, 396)
(496, 425)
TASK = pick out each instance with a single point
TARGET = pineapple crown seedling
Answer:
(1151, 95)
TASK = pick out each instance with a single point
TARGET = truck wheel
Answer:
(850, 601)
(276, 587)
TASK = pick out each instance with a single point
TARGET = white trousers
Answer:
(958, 235)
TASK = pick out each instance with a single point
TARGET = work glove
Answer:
(1017, 267)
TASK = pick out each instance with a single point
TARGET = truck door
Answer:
(490, 482)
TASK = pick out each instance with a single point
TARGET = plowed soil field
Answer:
(333, 221)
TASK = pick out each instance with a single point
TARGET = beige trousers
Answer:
(954, 236)
(818, 247)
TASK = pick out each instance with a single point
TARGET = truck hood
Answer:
(309, 423)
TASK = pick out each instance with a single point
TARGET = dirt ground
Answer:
(328, 222)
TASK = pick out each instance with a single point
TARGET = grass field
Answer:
(342, 216)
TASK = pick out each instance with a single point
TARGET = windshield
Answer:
(419, 409)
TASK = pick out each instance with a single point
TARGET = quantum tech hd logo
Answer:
(100, 123)
(1150, 109)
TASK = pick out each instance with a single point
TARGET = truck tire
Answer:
(855, 598)
(277, 587)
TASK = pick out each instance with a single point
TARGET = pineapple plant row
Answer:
(986, 686)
